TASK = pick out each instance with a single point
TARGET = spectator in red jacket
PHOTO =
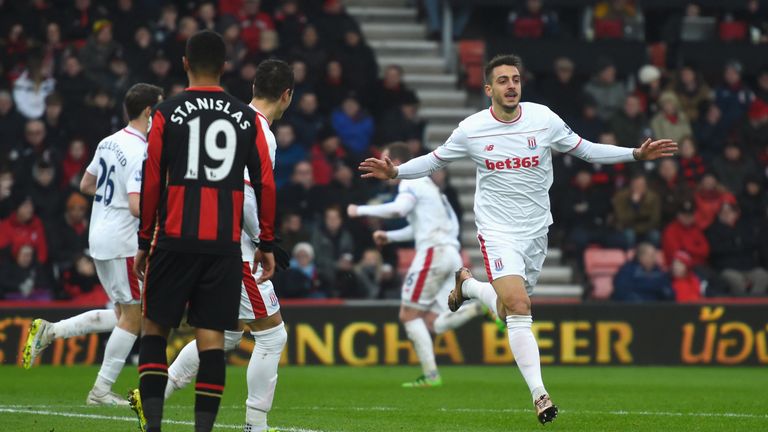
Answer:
(253, 21)
(709, 197)
(74, 163)
(325, 155)
(21, 228)
(682, 234)
(685, 283)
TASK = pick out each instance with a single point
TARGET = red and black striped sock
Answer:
(209, 388)
(153, 376)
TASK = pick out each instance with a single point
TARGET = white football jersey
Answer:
(250, 208)
(514, 166)
(117, 165)
(433, 220)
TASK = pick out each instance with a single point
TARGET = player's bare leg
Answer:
(517, 310)
(418, 332)
(118, 347)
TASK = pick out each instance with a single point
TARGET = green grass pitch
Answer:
(336, 399)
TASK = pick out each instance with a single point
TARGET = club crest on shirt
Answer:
(532, 143)
(273, 298)
(498, 264)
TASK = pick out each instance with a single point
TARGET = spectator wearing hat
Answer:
(332, 89)
(649, 88)
(672, 189)
(98, 50)
(734, 244)
(354, 126)
(608, 93)
(630, 124)
(563, 92)
(325, 155)
(670, 121)
(691, 91)
(23, 227)
(637, 211)
(733, 167)
(642, 279)
(685, 282)
(682, 234)
(733, 97)
(69, 235)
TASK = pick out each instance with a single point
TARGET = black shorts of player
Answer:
(209, 284)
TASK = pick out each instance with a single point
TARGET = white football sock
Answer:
(261, 376)
(184, 369)
(118, 347)
(451, 320)
(95, 321)
(422, 342)
(483, 291)
(526, 352)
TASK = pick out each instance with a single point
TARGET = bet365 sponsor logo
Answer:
(512, 163)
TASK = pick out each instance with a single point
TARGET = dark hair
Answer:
(399, 151)
(273, 77)
(501, 60)
(139, 97)
(205, 53)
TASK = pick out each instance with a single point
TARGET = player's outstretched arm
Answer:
(384, 169)
(652, 150)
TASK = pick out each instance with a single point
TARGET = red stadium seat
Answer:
(471, 59)
(600, 266)
(733, 31)
(404, 258)
(609, 29)
(529, 28)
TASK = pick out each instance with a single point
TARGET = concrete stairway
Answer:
(391, 29)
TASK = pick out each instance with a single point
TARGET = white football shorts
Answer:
(119, 281)
(256, 301)
(504, 255)
(431, 277)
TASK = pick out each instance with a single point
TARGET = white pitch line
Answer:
(131, 419)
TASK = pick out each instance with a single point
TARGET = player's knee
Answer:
(272, 340)
(517, 305)
(129, 318)
(232, 339)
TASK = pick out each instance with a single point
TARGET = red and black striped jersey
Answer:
(200, 141)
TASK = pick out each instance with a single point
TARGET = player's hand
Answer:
(652, 150)
(352, 210)
(382, 169)
(140, 264)
(267, 261)
(380, 237)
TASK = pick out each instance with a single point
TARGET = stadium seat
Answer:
(732, 31)
(471, 58)
(529, 28)
(404, 258)
(608, 29)
(600, 266)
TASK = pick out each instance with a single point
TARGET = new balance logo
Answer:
(513, 163)
(489, 147)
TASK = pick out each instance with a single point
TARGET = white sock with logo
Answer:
(418, 333)
(483, 291)
(118, 347)
(526, 351)
(261, 376)
(95, 321)
(451, 320)
(184, 368)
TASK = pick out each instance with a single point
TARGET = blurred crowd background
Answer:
(694, 225)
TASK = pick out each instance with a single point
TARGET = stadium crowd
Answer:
(67, 64)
